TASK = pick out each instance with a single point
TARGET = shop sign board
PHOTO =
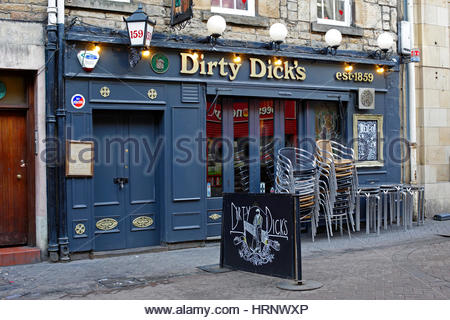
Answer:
(258, 234)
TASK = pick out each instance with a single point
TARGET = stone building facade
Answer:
(432, 22)
(369, 18)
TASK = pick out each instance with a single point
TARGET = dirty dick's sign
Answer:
(195, 64)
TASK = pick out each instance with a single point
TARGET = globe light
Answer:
(333, 38)
(278, 32)
(385, 41)
(216, 26)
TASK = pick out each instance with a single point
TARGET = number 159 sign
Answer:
(139, 34)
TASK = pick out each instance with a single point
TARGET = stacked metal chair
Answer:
(296, 173)
(242, 171)
(342, 180)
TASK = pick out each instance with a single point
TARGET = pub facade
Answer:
(152, 140)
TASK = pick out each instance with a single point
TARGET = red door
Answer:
(13, 178)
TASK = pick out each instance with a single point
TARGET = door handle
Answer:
(19, 177)
(121, 182)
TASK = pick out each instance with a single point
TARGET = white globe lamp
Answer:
(385, 41)
(278, 32)
(333, 38)
(216, 26)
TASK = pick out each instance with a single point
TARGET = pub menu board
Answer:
(79, 158)
(258, 234)
(368, 140)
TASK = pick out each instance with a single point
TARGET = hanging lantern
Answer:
(140, 28)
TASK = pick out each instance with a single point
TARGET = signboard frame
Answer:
(379, 162)
(75, 168)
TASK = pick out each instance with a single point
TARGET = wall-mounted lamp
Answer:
(348, 67)
(277, 61)
(381, 69)
(145, 53)
(237, 59)
(278, 33)
(140, 31)
(384, 42)
(333, 38)
(216, 26)
(97, 48)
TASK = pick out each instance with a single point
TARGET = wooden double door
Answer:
(13, 178)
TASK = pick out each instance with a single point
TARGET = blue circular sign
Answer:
(78, 101)
(2, 90)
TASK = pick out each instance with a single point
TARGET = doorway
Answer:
(17, 215)
(126, 206)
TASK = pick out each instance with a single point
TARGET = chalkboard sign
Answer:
(367, 140)
(258, 234)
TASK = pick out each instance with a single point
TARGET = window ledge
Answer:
(262, 22)
(349, 31)
(111, 6)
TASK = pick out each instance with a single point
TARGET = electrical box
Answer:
(405, 43)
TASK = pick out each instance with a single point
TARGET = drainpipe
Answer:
(63, 239)
(51, 154)
(412, 100)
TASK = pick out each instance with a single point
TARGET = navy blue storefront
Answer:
(157, 176)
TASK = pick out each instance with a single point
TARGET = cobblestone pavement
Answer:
(395, 265)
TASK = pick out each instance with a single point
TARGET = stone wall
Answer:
(24, 10)
(371, 17)
(433, 102)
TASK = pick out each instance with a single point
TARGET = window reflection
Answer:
(290, 124)
(214, 150)
(241, 147)
(266, 115)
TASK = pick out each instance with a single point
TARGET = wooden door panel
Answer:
(13, 178)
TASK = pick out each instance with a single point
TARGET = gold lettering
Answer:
(345, 76)
(253, 63)
(222, 65)
(184, 63)
(301, 73)
(234, 67)
(211, 65)
(275, 72)
(202, 67)
(339, 76)
(288, 71)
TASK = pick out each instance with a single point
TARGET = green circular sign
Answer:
(159, 63)
(2, 90)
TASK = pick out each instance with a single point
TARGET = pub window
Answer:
(240, 7)
(335, 12)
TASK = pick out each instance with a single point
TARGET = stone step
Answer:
(19, 255)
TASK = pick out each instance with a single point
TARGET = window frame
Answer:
(250, 12)
(348, 15)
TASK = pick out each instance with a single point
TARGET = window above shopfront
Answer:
(237, 7)
(334, 12)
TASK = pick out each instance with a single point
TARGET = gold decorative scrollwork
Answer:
(142, 222)
(80, 228)
(106, 224)
(152, 94)
(215, 216)
(105, 92)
